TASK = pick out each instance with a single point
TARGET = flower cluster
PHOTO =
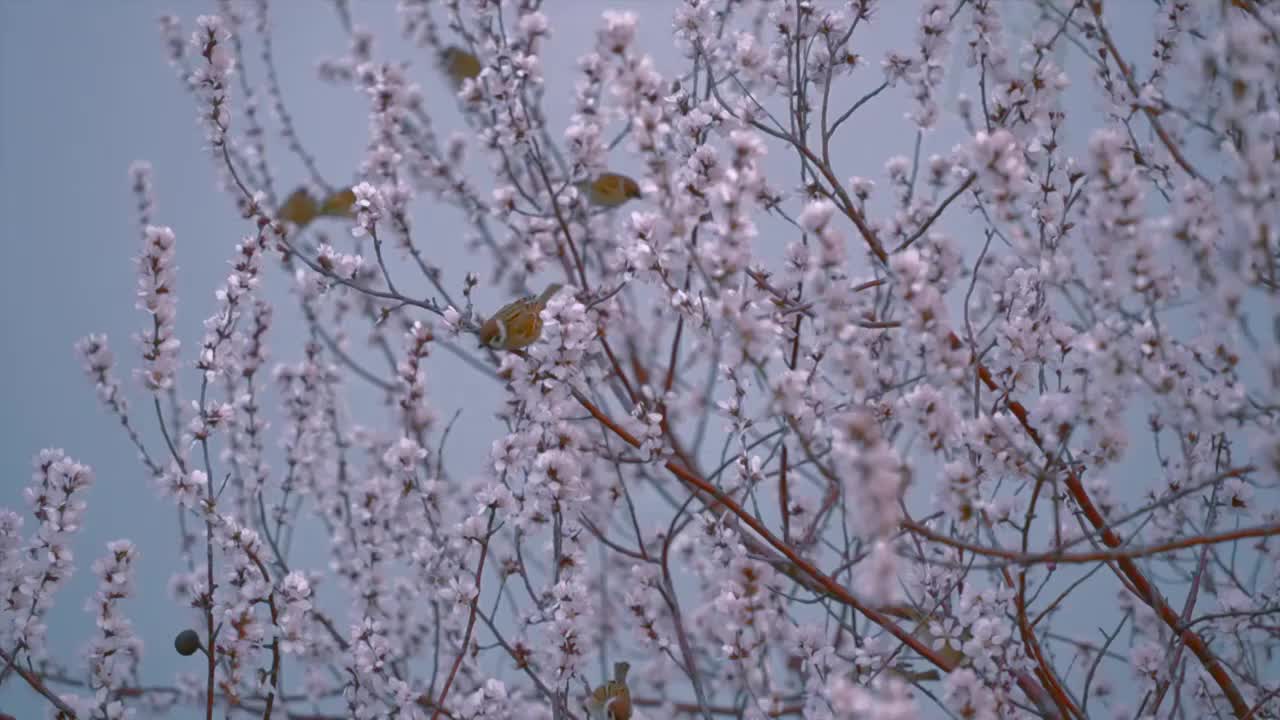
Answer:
(929, 68)
(56, 496)
(115, 651)
(156, 296)
(210, 80)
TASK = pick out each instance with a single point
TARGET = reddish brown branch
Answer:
(471, 624)
(1128, 569)
(1020, 558)
(1127, 74)
(820, 580)
(38, 685)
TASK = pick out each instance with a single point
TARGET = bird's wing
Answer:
(299, 208)
(525, 324)
(339, 203)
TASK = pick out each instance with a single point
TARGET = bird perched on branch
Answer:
(923, 629)
(609, 189)
(612, 700)
(519, 323)
(300, 208)
(339, 203)
(459, 65)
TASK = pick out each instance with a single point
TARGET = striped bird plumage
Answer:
(612, 700)
(610, 189)
(518, 324)
(460, 65)
(300, 208)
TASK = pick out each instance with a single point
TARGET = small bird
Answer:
(459, 65)
(300, 208)
(518, 324)
(612, 700)
(339, 204)
(911, 677)
(609, 189)
(922, 630)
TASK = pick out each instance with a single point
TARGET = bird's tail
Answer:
(552, 289)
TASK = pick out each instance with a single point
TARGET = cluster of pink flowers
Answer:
(158, 297)
(36, 568)
(115, 651)
(210, 80)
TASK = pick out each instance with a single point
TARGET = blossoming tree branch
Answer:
(989, 431)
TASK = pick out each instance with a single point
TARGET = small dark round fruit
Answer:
(187, 642)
